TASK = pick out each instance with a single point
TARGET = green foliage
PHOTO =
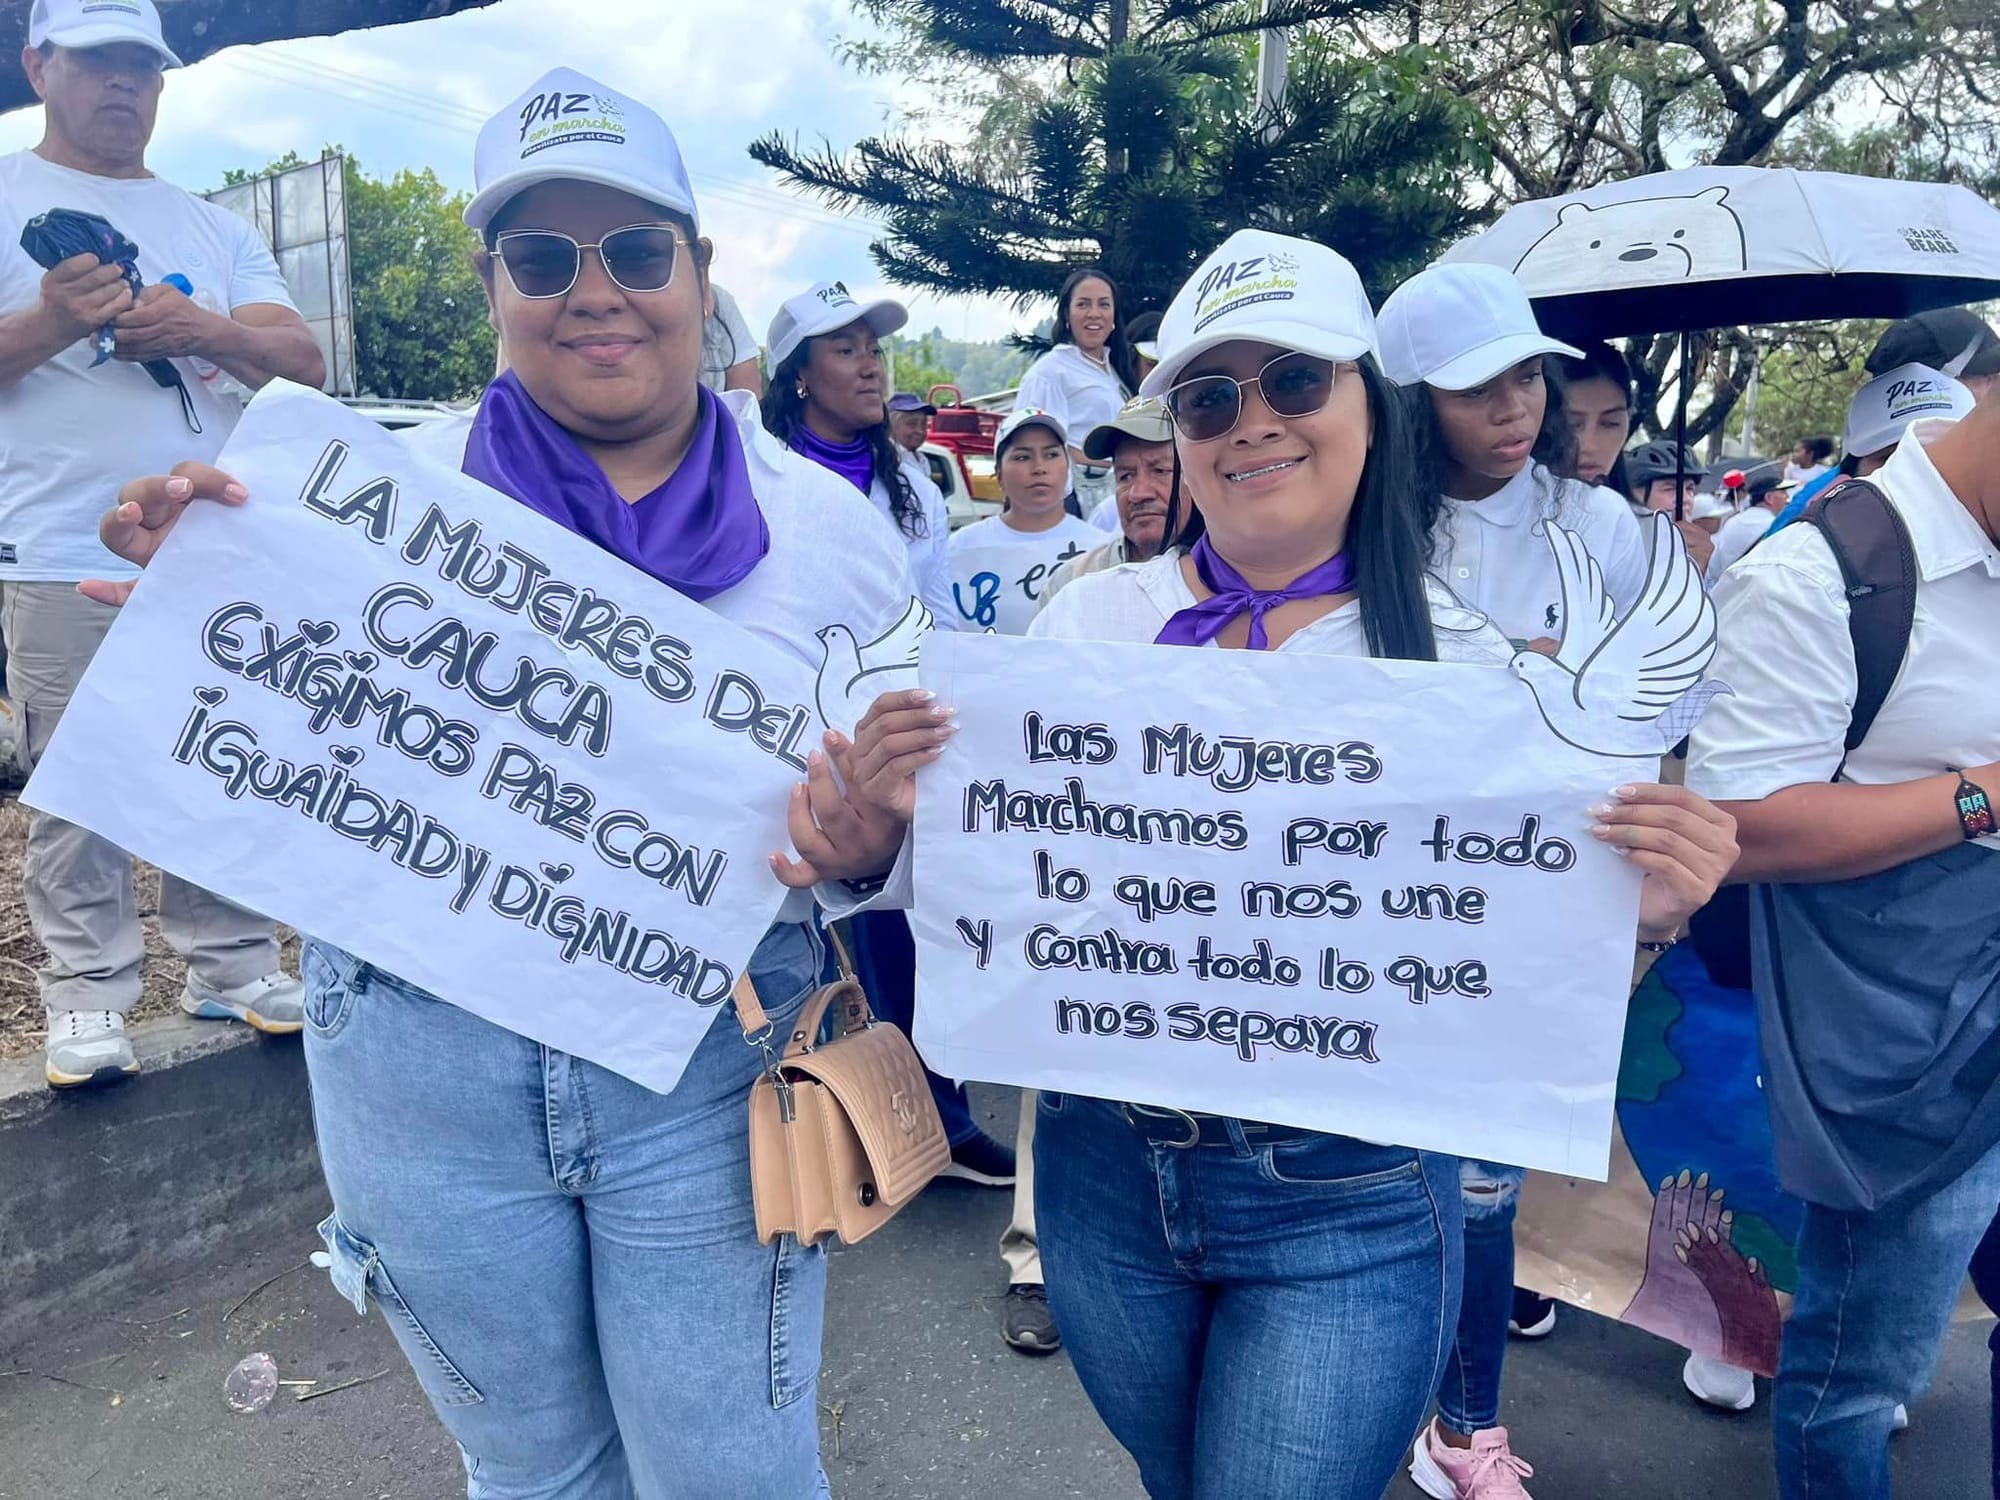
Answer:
(977, 369)
(420, 330)
(1121, 132)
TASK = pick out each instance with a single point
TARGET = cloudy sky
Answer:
(722, 72)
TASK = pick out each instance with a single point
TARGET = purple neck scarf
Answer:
(853, 461)
(700, 533)
(1231, 596)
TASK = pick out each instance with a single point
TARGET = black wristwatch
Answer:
(1975, 812)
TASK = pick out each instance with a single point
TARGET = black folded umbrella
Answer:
(61, 233)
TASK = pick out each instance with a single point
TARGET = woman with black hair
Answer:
(1089, 374)
(1262, 1312)
(1597, 400)
(827, 400)
(1493, 442)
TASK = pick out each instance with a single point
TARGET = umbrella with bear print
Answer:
(1722, 247)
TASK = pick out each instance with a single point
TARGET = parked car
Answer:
(959, 450)
(398, 414)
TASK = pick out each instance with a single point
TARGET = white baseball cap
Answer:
(1268, 289)
(1707, 505)
(569, 128)
(1884, 409)
(1027, 416)
(1457, 326)
(823, 309)
(98, 23)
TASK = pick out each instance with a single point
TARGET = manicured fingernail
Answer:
(1599, 810)
(235, 492)
(816, 758)
(921, 695)
(944, 711)
(1625, 791)
(1600, 830)
(945, 731)
(179, 489)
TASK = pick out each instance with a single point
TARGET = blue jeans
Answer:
(1875, 1297)
(1985, 1271)
(1469, 1399)
(1264, 1320)
(569, 1260)
(885, 961)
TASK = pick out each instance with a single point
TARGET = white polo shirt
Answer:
(1786, 652)
(1494, 554)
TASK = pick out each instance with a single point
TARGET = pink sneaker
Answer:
(1488, 1470)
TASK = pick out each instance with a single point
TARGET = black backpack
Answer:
(1879, 567)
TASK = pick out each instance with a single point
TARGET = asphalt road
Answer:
(919, 1399)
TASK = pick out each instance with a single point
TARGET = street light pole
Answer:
(1273, 64)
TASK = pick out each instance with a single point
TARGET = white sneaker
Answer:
(87, 1044)
(274, 1003)
(1715, 1383)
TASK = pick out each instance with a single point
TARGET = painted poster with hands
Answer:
(409, 716)
(1350, 895)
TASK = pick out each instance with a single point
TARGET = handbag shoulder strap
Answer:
(1878, 566)
(750, 1013)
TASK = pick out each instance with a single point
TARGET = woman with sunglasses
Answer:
(1261, 1312)
(570, 1260)
(828, 402)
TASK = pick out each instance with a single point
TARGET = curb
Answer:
(106, 1192)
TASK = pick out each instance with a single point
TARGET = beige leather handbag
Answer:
(842, 1133)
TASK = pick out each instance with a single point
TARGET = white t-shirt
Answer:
(832, 562)
(930, 563)
(1135, 601)
(1786, 653)
(1494, 553)
(70, 435)
(1737, 536)
(726, 340)
(998, 573)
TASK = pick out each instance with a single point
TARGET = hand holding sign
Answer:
(138, 525)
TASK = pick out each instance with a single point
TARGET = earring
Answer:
(802, 393)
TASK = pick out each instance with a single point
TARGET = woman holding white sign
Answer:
(1263, 1312)
(569, 1259)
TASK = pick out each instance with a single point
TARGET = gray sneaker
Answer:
(273, 1003)
(85, 1045)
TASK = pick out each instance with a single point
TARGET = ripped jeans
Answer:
(569, 1260)
(1469, 1398)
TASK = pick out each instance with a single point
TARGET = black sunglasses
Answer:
(543, 263)
(1209, 406)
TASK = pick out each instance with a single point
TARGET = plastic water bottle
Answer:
(251, 1385)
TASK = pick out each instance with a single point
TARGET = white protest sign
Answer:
(1349, 895)
(409, 716)
(998, 587)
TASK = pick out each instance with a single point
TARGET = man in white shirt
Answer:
(1765, 490)
(1876, 1285)
(729, 350)
(72, 429)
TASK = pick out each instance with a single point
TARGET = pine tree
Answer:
(1142, 149)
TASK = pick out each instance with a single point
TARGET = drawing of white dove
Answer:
(852, 676)
(1630, 687)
